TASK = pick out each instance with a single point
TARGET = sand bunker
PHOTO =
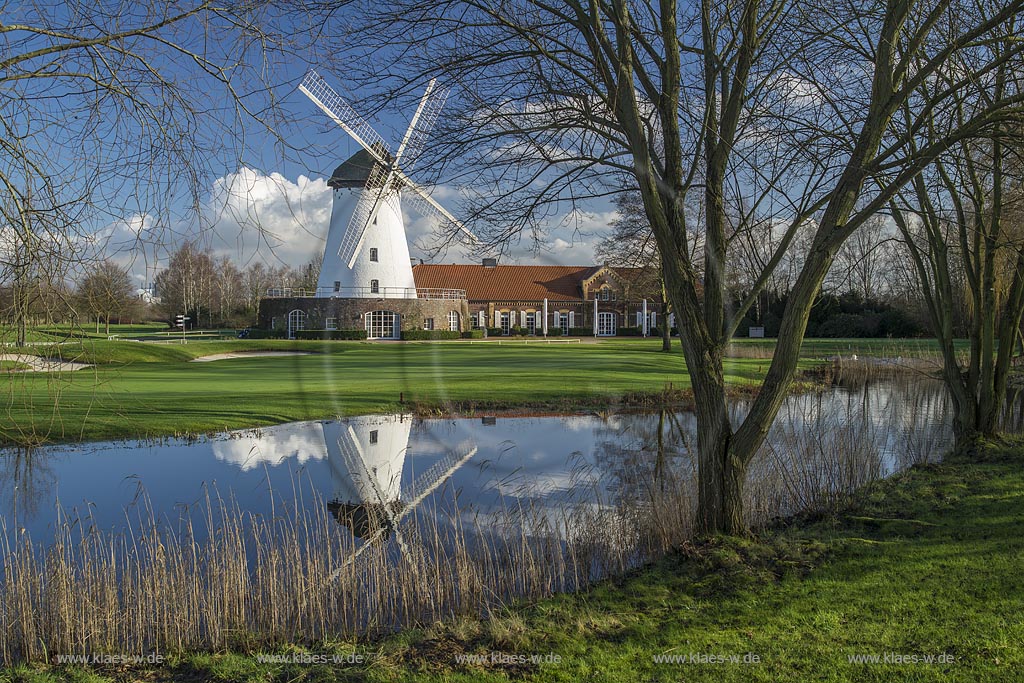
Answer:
(247, 354)
(40, 364)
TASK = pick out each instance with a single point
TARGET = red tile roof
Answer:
(508, 283)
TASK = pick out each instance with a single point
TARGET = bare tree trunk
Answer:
(666, 327)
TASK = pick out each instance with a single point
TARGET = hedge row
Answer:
(473, 334)
(265, 334)
(425, 335)
(333, 335)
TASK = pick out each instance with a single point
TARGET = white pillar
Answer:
(545, 317)
(646, 327)
(595, 316)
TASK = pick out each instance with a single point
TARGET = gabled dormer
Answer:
(604, 284)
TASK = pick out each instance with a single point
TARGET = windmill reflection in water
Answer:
(366, 461)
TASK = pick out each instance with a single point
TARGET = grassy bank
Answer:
(926, 564)
(139, 389)
(146, 390)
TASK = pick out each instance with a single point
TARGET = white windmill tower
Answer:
(367, 251)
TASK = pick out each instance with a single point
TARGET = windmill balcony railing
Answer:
(368, 293)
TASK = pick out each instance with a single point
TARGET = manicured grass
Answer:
(146, 389)
(926, 564)
(9, 365)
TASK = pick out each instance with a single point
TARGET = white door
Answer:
(296, 322)
(382, 325)
(606, 324)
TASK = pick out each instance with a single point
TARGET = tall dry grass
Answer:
(228, 578)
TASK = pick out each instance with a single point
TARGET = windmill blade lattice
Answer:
(316, 89)
(431, 111)
(378, 186)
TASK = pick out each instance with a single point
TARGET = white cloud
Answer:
(255, 217)
(251, 449)
(250, 216)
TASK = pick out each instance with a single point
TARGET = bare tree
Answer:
(186, 286)
(116, 111)
(961, 223)
(106, 292)
(630, 244)
(794, 111)
(861, 260)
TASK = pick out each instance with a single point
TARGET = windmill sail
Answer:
(354, 219)
(337, 108)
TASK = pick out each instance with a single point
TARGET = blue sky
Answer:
(267, 204)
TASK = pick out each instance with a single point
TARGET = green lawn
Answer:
(148, 389)
(926, 564)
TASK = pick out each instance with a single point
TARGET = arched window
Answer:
(606, 293)
(296, 322)
(374, 286)
(453, 321)
(382, 325)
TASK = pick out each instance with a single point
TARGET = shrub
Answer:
(896, 323)
(581, 331)
(473, 334)
(266, 334)
(843, 325)
(554, 331)
(426, 335)
(332, 335)
(493, 331)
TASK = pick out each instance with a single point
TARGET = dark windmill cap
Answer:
(354, 171)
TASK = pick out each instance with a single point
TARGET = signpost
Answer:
(181, 319)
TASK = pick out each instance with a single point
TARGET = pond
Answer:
(354, 527)
(486, 465)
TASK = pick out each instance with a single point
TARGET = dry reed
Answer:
(223, 577)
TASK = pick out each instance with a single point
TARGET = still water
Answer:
(824, 441)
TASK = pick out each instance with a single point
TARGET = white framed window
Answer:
(373, 254)
(374, 286)
(606, 293)
(428, 323)
(373, 436)
(606, 324)
(506, 323)
(382, 325)
(563, 322)
(531, 323)
(453, 321)
(331, 324)
(296, 322)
